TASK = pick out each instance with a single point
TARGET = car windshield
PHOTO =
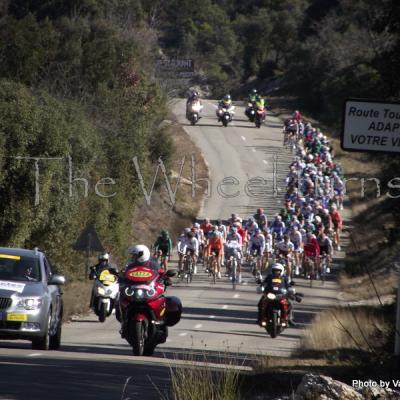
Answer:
(19, 268)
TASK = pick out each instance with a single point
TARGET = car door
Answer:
(54, 290)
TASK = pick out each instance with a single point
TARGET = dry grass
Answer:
(149, 220)
(195, 382)
(76, 298)
(359, 328)
(361, 288)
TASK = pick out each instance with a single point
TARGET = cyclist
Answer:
(216, 245)
(233, 247)
(164, 244)
(326, 249)
(261, 218)
(297, 240)
(312, 252)
(337, 222)
(256, 247)
(187, 245)
(278, 227)
(285, 249)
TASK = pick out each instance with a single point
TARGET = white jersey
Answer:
(188, 244)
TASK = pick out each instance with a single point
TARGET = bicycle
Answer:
(212, 268)
(324, 267)
(309, 269)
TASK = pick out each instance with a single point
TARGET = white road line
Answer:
(245, 283)
(236, 296)
(183, 334)
(211, 316)
(198, 326)
(265, 161)
(34, 354)
(243, 138)
(253, 150)
(224, 307)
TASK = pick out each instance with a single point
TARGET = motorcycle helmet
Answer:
(141, 252)
(104, 257)
(227, 97)
(277, 267)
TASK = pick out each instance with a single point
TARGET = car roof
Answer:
(20, 252)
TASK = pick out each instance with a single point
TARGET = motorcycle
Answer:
(259, 116)
(225, 115)
(194, 112)
(104, 294)
(146, 312)
(274, 312)
(250, 112)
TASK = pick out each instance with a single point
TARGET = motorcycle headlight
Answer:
(139, 293)
(271, 296)
(101, 291)
(29, 303)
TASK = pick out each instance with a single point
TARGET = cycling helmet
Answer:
(277, 267)
(186, 230)
(141, 252)
(164, 233)
(190, 235)
(104, 257)
(318, 219)
(257, 231)
(260, 211)
(234, 229)
(196, 225)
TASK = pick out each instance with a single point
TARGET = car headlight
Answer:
(29, 303)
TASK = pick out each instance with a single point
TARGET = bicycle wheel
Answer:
(190, 272)
(234, 273)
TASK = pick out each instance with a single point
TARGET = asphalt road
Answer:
(218, 323)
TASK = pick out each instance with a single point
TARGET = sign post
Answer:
(88, 241)
(397, 331)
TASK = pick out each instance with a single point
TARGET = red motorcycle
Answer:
(145, 310)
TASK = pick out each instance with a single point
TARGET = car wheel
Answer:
(55, 339)
(43, 342)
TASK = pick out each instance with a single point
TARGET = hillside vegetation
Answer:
(77, 81)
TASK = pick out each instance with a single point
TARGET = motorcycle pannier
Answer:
(174, 310)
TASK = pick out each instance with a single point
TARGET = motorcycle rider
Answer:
(140, 258)
(276, 279)
(251, 100)
(192, 99)
(226, 103)
(252, 96)
(103, 263)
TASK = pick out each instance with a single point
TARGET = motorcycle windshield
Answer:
(107, 278)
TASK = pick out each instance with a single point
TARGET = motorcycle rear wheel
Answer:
(137, 337)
